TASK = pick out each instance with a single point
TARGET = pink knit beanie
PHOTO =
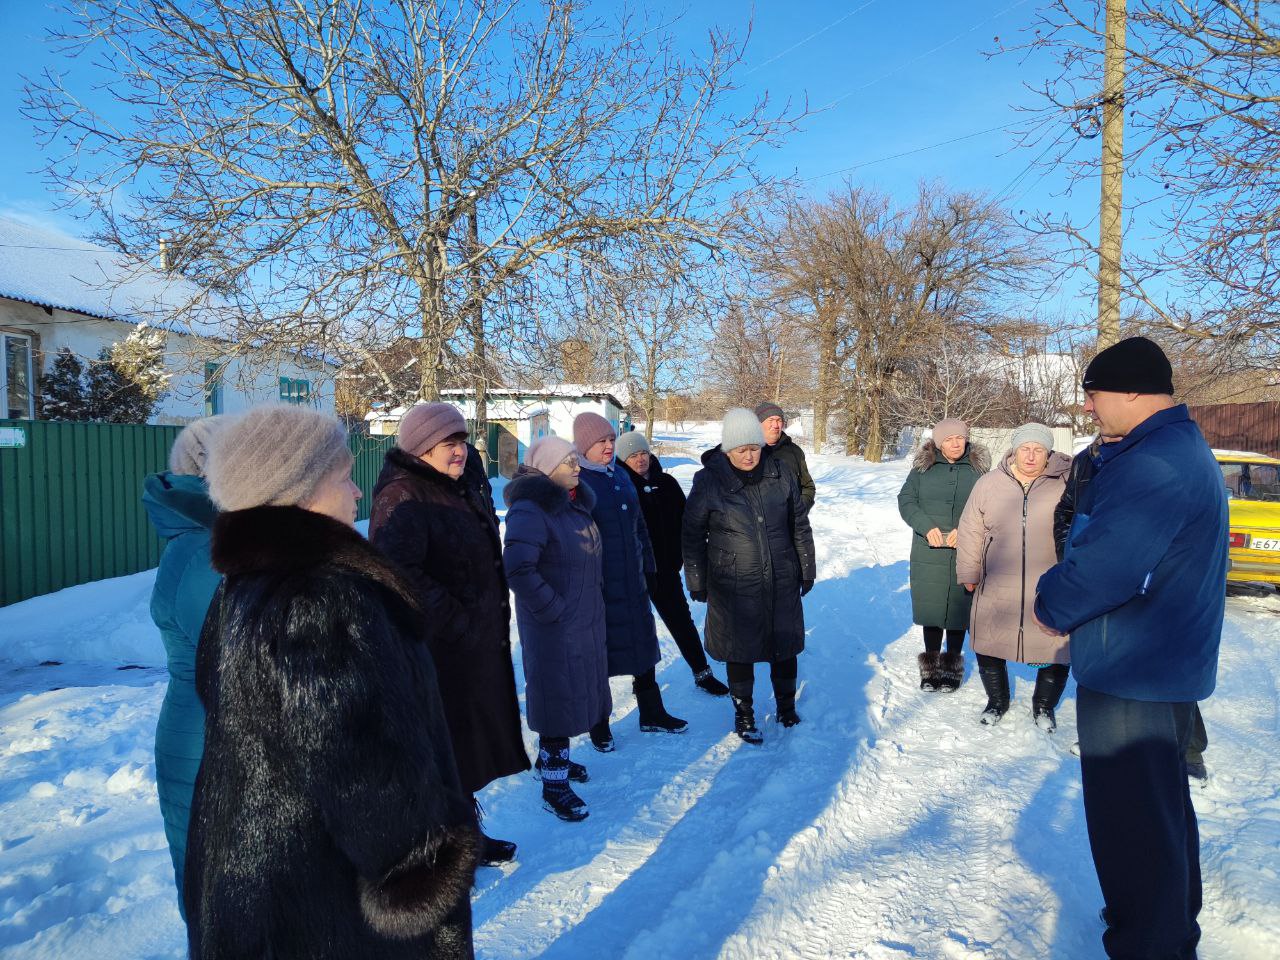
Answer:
(949, 428)
(426, 424)
(548, 453)
(589, 429)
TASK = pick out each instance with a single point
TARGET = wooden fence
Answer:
(71, 500)
(1241, 426)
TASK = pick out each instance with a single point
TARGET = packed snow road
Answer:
(888, 824)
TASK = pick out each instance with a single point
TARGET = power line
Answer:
(801, 43)
(907, 153)
(920, 56)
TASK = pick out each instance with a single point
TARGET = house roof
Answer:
(52, 269)
(560, 391)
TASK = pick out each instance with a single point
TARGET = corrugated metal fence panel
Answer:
(369, 453)
(1241, 426)
(71, 501)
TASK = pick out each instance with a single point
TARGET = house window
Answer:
(17, 398)
(295, 391)
(212, 389)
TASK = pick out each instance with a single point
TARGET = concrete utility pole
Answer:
(1111, 219)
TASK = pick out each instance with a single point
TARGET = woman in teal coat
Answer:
(931, 501)
(177, 501)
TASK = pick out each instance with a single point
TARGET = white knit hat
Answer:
(740, 428)
(190, 451)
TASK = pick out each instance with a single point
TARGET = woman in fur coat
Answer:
(931, 501)
(1005, 544)
(554, 562)
(328, 820)
(433, 516)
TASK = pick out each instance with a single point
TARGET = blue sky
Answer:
(899, 75)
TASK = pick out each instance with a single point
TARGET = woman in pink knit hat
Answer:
(433, 515)
(628, 557)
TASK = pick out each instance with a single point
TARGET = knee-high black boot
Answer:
(744, 716)
(995, 680)
(1050, 682)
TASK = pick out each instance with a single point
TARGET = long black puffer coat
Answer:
(328, 819)
(747, 543)
(443, 535)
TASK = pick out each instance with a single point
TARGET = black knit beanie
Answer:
(1135, 365)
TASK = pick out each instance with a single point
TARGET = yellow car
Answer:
(1253, 494)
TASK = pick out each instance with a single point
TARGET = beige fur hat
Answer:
(274, 455)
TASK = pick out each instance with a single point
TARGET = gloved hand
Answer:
(699, 595)
(805, 587)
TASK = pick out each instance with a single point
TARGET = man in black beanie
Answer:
(1141, 591)
(777, 443)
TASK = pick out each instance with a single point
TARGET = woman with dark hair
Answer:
(433, 515)
(748, 555)
(328, 820)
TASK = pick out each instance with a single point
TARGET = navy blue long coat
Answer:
(552, 560)
(628, 556)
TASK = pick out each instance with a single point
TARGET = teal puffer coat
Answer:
(934, 495)
(182, 513)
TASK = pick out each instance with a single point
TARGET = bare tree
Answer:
(352, 173)
(1202, 108)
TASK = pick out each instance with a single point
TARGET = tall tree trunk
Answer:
(874, 451)
(826, 379)
(479, 360)
(855, 414)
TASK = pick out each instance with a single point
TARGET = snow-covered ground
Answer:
(889, 824)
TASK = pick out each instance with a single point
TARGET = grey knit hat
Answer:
(632, 441)
(770, 409)
(740, 428)
(1032, 433)
(274, 455)
(190, 450)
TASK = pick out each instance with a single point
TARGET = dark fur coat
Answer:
(328, 819)
(443, 535)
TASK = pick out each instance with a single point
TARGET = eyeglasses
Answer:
(570, 461)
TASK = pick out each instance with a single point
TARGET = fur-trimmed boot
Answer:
(950, 671)
(1050, 682)
(995, 680)
(784, 694)
(557, 795)
(653, 715)
(744, 716)
(930, 675)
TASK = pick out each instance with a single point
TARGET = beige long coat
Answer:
(1005, 542)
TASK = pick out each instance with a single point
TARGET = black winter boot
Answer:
(784, 693)
(706, 681)
(744, 717)
(602, 737)
(557, 795)
(930, 678)
(1050, 682)
(950, 671)
(653, 715)
(492, 851)
(995, 680)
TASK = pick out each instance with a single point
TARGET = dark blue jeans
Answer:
(1142, 827)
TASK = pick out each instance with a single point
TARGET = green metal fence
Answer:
(70, 500)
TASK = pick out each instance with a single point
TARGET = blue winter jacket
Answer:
(1142, 585)
(182, 513)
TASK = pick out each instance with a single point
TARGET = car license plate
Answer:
(1265, 543)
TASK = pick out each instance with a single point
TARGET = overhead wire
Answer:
(800, 43)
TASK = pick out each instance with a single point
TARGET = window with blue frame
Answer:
(295, 391)
(212, 389)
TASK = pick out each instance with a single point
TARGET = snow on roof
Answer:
(617, 392)
(52, 269)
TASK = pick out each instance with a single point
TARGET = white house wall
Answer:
(185, 356)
